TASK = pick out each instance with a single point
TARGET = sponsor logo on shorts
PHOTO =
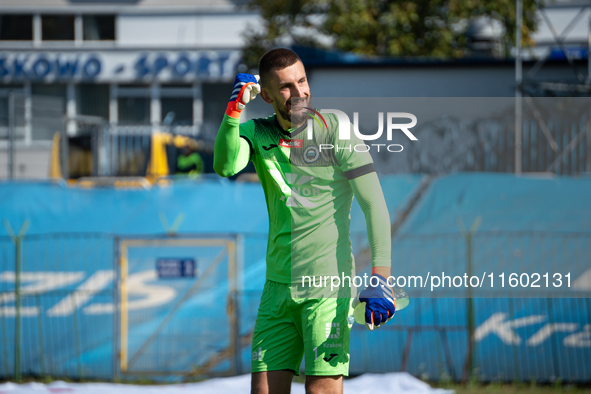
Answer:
(333, 330)
(327, 359)
(257, 355)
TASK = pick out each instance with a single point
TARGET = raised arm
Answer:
(232, 153)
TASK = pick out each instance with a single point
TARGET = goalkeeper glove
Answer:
(246, 88)
(380, 305)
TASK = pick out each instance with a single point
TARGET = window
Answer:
(18, 113)
(182, 108)
(48, 110)
(134, 110)
(3, 116)
(57, 27)
(215, 105)
(98, 27)
(93, 99)
(16, 27)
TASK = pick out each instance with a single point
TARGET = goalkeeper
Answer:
(309, 194)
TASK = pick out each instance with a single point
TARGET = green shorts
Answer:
(288, 329)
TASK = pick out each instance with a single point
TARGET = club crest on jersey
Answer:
(311, 154)
(291, 143)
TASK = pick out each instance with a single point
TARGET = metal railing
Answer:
(557, 146)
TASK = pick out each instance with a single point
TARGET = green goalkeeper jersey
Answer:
(308, 196)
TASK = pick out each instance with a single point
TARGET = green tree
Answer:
(285, 22)
(434, 28)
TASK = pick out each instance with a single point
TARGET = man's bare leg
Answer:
(272, 382)
(324, 384)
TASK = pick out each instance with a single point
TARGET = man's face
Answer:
(287, 89)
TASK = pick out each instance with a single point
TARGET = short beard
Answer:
(296, 119)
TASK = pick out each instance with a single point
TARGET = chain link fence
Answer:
(68, 310)
(69, 325)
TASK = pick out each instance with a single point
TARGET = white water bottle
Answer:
(358, 316)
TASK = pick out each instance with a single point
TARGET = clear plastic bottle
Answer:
(358, 316)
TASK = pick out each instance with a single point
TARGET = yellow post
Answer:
(55, 167)
(123, 317)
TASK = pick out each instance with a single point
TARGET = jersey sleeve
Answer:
(353, 156)
(233, 146)
(369, 195)
(247, 134)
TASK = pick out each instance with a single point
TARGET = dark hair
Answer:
(276, 59)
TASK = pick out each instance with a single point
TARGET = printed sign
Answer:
(117, 66)
(175, 268)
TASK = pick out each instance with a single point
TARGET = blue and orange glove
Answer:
(380, 305)
(246, 88)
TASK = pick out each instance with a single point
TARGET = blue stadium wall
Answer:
(528, 225)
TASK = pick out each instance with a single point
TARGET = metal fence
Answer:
(449, 145)
(69, 302)
(559, 146)
(510, 329)
(59, 274)
(128, 149)
(91, 147)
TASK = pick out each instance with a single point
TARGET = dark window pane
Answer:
(80, 161)
(213, 108)
(48, 110)
(181, 107)
(57, 91)
(134, 110)
(3, 115)
(99, 27)
(18, 115)
(57, 27)
(93, 100)
(16, 27)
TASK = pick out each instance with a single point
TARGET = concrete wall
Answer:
(31, 162)
(223, 30)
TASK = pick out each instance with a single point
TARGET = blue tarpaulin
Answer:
(70, 243)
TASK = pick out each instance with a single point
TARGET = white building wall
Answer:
(156, 30)
(220, 31)
(424, 81)
(30, 162)
(561, 18)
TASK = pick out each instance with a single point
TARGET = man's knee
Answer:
(324, 384)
